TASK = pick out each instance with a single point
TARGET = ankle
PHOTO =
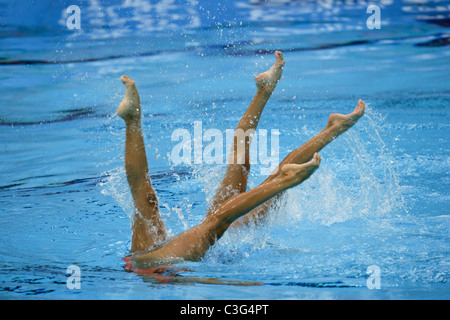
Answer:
(338, 123)
(265, 91)
(133, 122)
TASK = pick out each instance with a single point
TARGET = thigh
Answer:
(233, 183)
(259, 213)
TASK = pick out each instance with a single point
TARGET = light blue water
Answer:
(380, 197)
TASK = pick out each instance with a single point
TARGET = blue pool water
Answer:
(380, 197)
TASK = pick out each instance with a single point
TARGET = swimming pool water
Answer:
(380, 197)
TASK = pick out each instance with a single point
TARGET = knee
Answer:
(216, 226)
(143, 191)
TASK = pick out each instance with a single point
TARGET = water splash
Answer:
(364, 184)
(115, 186)
(358, 179)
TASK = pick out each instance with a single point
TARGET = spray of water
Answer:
(358, 180)
(363, 183)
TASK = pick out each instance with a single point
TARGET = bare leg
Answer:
(193, 243)
(337, 124)
(148, 226)
(235, 180)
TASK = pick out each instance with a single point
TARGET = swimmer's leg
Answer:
(337, 124)
(235, 180)
(193, 243)
(148, 226)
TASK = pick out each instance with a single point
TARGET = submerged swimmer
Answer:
(233, 205)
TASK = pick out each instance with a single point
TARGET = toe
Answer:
(360, 107)
(126, 80)
(279, 57)
(317, 159)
